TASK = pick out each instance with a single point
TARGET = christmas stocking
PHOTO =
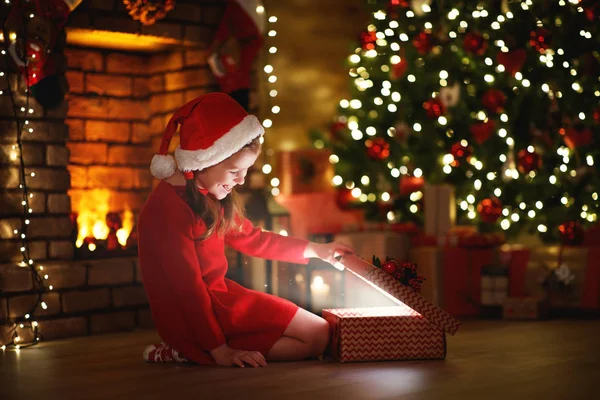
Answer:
(32, 41)
(235, 46)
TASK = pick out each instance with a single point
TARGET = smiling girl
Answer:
(183, 229)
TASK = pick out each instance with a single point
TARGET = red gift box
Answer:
(414, 329)
(383, 333)
(526, 308)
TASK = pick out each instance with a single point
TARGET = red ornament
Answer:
(475, 43)
(390, 266)
(575, 137)
(399, 3)
(378, 149)
(528, 161)
(512, 61)
(571, 233)
(410, 184)
(591, 9)
(493, 100)
(344, 198)
(423, 42)
(596, 115)
(399, 70)
(540, 39)
(460, 151)
(434, 107)
(482, 131)
(490, 209)
(336, 129)
(368, 39)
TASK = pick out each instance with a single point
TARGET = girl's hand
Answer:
(328, 252)
(228, 357)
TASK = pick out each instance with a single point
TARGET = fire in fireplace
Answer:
(100, 232)
(97, 227)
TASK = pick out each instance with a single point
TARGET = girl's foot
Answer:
(162, 352)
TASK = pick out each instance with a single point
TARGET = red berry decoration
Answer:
(540, 39)
(528, 161)
(405, 273)
(460, 151)
(475, 43)
(434, 107)
(378, 149)
(571, 233)
(493, 100)
(423, 43)
(490, 209)
(368, 39)
(390, 266)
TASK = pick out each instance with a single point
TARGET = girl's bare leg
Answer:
(307, 336)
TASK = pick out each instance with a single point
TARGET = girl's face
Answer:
(220, 179)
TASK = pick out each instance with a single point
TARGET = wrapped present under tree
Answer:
(413, 329)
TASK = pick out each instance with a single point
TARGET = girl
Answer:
(183, 228)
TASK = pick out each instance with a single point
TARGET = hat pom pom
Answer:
(162, 166)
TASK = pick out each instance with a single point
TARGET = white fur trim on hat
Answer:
(223, 148)
(162, 166)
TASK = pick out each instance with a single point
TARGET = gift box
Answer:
(430, 262)
(525, 308)
(305, 171)
(494, 285)
(439, 209)
(383, 333)
(413, 329)
(317, 213)
(583, 290)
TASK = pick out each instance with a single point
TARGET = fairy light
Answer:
(21, 323)
(394, 33)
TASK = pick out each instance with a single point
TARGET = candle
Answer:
(319, 293)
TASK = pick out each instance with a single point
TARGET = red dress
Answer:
(194, 307)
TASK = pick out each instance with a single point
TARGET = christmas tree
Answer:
(498, 98)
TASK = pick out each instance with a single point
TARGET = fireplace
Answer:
(90, 156)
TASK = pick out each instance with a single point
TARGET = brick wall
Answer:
(87, 297)
(46, 156)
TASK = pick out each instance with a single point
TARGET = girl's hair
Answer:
(218, 215)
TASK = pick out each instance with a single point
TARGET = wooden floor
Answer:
(558, 359)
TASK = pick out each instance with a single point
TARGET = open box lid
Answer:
(397, 292)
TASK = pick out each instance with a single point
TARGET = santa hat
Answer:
(213, 127)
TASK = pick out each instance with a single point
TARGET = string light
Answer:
(483, 177)
(22, 323)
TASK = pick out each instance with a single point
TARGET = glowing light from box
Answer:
(339, 265)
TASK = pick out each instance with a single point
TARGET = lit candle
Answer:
(319, 293)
